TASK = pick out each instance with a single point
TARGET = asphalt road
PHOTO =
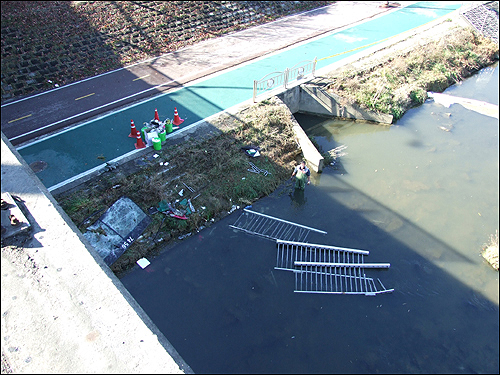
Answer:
(25, 119)
(96, 130)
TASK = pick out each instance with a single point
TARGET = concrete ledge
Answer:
(312, 99)
(63, 310)
(311, 154)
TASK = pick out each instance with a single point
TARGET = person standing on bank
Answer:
(301, 173)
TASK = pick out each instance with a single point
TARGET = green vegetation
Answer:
(396, 85)
(217, 170)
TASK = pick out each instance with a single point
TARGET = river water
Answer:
(421, 195)
(438, 168)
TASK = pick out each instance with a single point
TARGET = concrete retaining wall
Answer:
(63, 310)
(312, 156)
(312, 99)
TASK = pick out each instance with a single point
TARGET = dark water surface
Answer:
(219, 301)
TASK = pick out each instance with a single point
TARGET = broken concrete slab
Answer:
(117, 229)
(11, 208)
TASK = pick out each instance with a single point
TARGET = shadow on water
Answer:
(218, 299)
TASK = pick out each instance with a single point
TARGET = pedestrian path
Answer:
(76, 151)
(24, 119)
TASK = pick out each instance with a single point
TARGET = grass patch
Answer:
(402, 82)
(216, 169)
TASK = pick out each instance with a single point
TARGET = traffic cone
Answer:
(157, 118)
(140, 143)
(133, 130)
(177, 119)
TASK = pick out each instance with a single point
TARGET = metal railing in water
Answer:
(317, 268)
(274, 80)
(272, 227)
(328, 269)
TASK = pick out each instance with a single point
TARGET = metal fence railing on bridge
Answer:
(275, 80)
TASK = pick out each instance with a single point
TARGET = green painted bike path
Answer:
(78, 150)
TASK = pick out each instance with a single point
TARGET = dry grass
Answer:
(216, 169)
(402, 82)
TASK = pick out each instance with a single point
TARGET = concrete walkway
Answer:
(63, 310)
(24, 119)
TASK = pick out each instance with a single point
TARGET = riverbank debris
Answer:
(251, 151)
(117, 229)
(143, 263)
(328, 269)
(317, 268)
(490, 251)
(257, 170)
(272, 227)
(168, 209)
(336, 153)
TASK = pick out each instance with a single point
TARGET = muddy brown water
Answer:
(415, 195)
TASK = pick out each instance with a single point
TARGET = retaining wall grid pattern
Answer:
(484, 18)
(44, 43)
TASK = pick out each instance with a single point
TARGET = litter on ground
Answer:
(143, 263)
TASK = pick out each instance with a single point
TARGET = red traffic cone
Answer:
(177, 119)
(140, 143)
(157, 118)
(133, 130)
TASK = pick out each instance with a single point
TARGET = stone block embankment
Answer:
(49, 43)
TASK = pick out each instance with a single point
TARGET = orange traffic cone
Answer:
(157, 118)
(133, 130)
(140, 143)
(177, 119)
